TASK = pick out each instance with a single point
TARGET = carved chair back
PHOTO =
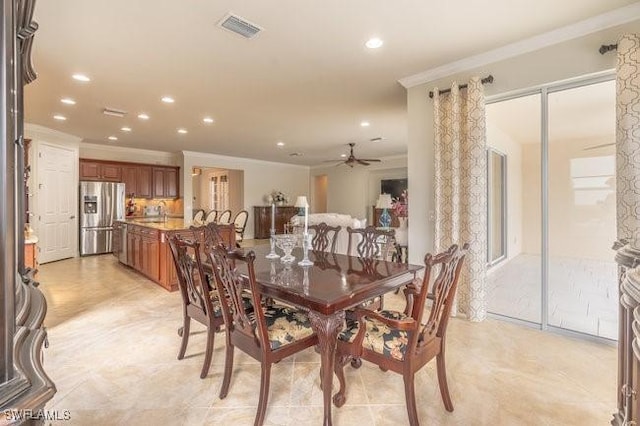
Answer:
(325, 237)
(370, 242)
(192, 281)
(446, 266)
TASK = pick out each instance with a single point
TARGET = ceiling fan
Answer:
(351, 160)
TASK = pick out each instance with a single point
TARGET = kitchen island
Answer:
(143, 245)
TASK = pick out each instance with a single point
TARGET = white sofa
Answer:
(334, 219)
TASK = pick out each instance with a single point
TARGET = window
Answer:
(219, 192)
(497, 206)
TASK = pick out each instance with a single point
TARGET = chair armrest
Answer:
(407, 324)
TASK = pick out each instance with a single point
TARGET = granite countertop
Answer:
(157, 223)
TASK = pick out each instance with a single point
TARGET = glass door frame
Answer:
(544, 90)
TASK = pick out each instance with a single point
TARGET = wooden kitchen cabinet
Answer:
(165, 182)
(100, 171)
(143, 180)
(262, 219)
(137, 180)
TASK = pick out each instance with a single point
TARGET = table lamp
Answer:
(384, 203)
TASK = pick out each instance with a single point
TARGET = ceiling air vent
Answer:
(114, 112)
(239, 26)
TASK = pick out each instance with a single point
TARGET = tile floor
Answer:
(113, 347)
(583, 293)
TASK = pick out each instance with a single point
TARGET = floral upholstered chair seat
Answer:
(379, 337)
(286, 325)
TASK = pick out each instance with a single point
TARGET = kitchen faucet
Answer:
(162, 210)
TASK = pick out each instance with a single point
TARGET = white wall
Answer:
(354, 190)
(570, 59)
(260, 178)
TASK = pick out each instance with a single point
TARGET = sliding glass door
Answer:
(513, 137)
(558, 148)
(582, 281)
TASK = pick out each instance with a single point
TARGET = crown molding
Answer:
(121, 149)
(36, 131)
(597, 23)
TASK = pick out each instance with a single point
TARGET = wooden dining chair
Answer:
(240, 222)
(199, 301)
(371, 242)
(224, 217)
(272, 333)
(324, 237)
(211, 216)
(398, 341)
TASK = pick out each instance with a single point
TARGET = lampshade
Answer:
(384, 201)
(301, 202)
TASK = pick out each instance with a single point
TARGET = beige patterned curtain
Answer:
(628, 138)
(461, 188)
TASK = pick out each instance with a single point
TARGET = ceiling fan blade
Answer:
(333, 161)
(374, 160)
(598, 146)
(364, 163)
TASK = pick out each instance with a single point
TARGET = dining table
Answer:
(325, 291)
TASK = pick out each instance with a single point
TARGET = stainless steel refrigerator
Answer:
(101, 204)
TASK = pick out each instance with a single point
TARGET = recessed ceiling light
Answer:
(365, 124)
(81, 77)
(182, 131)
(343, 155)
(280, 143)
(59, 117)
(125, 129)
(113, 138)
(208, 120)
(374, 43)
(168, 99)
(143, 116)
(68, 101)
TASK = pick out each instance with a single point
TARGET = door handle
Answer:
(72, 217)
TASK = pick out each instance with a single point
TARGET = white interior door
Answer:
(57, 206)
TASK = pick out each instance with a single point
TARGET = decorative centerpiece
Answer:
(400, 207)
(277, 197)
(286, 243)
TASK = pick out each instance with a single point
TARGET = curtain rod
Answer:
(607, 48)
(486, 80)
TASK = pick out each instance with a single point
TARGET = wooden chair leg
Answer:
(228, 369)
(211, 334)
(340, 397)
(184, 332)
(442, 382)
(264, 393)
(410, 396)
